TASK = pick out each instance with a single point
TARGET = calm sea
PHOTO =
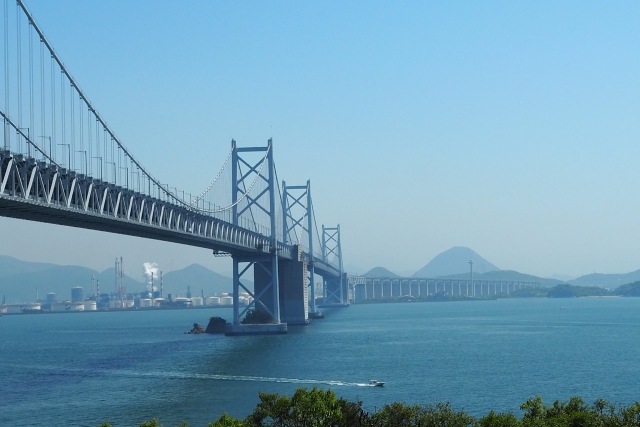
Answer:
(82, 369)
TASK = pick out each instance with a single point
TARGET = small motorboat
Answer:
(375, 383)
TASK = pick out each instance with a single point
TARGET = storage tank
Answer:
(213, 300)
(197, 301)
(67, 306)
(77, 294)
(226, 300)
(21, 308)
(57, 306)
(14, 308)
(158, 302)
(129, 303)
(146, 302)
(90, 306)
(74, 306)
(51, 297)
(3, 309)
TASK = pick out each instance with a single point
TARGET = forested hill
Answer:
(610, 281)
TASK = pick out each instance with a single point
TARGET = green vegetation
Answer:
(570, 291)
(319, 408)
(527, 293)
(629, 290)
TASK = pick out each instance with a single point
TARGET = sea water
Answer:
(81, 369)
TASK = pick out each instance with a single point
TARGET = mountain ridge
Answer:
(455, 261)
(19, 279)
(380, 272)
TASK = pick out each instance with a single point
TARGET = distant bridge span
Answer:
(369, 288)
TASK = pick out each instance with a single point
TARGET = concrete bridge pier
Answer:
(294, 292)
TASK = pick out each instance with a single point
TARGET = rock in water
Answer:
(216, 325)
(197, 329)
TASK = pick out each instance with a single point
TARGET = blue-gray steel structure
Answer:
(335, 287)
(119, 195)
(297, 207)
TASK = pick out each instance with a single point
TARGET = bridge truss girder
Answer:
(39, 191)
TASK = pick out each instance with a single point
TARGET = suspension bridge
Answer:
(60, 163)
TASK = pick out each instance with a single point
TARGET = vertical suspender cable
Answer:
(31, 105)
(89, 144)
(73, 127)
(19, 75)
(7, 142)
(42, 113)
(82, 147)
(53, 113)
(72, 149)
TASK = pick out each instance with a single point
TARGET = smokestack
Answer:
(152, 284)
(161, 285)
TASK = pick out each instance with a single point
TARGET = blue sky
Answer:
(508, 127)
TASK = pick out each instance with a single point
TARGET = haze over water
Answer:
(82, 369)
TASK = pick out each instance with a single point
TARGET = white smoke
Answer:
(151, 269)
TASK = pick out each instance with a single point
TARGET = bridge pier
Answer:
(294, 293)
(266, 298)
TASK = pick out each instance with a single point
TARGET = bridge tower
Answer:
(335, 288)
(296, 206)
(245, 211)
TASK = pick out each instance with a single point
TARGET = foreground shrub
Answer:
(320, 408)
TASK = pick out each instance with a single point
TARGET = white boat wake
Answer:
(187, 376)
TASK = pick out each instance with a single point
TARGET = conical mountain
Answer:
(379, 272)
(455, 261)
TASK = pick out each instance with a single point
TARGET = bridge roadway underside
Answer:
(54, 214)
(20, 208)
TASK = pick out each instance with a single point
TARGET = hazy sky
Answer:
(508, 127)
